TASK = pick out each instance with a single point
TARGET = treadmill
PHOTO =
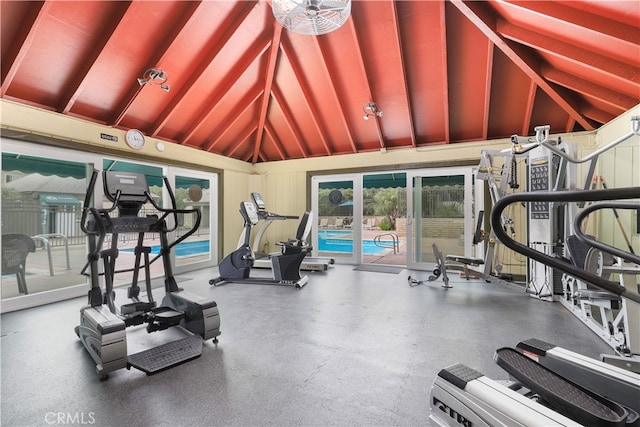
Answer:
(263, 260)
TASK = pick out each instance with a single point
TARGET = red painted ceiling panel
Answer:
(50, 61)
(382, 60)
(468, 65)
(423, 31)
(547, 112)
(440, 71)
(619, 83)
(13, 16)
(510, 88)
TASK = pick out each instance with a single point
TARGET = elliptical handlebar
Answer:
(173, 210)
(563, 196)
(599, 245)
(86, 207)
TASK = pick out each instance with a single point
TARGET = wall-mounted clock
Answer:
(135, 139)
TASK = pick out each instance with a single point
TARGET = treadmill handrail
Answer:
(563, 196)
(588, 240)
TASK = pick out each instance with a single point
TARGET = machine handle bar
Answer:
(87, 202)
(563, 196)
(86, 208)
(522, 145)
(173, 210)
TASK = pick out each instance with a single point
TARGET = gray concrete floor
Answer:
(350, 348)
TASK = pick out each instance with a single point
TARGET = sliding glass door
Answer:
(43, 246)
(361, 218)
(336, 203)
(394, 217)
(384, 207)
(440, 211)
(44, 250)
(195, 190)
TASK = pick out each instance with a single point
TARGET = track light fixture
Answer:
(371, 110)
(155, 76)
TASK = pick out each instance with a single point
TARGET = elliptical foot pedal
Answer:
(577, 403)
(168, 355)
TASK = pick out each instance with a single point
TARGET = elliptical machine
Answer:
(236, 267)
(568, 388)
(102, 324)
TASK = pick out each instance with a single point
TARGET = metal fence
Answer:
(33, 219)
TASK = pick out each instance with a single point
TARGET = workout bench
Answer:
(455, 263)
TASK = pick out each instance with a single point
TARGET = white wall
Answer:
(620, 167)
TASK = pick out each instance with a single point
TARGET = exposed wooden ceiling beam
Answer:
(306, 93)
(531, 99)
(337, 99)
(76, 86)
(619, 102)
(583, 19)
(241, 140)
(405, 83)
(159, 54)
(478, 15)
(237, 71)
(290, 122)
(597, 114)
(19, 47)
(272, 135)
(268, 84)
(365, 77)
(600, 64)
(235, 18)
(445, 71)
(233, 116)
(487, 91)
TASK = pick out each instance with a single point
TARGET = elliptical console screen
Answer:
(132, 186)
(257, 199)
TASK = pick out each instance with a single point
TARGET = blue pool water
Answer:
(342, 241)
(183, 249)
(328, 240)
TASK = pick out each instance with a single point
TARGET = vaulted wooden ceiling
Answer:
(442, 72)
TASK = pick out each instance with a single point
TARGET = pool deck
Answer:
(42, 276)
(39, 278)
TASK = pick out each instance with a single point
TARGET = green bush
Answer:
(384, 225)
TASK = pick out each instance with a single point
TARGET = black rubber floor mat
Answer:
(167, 355)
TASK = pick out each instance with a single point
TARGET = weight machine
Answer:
(545, 171)
(553, 386)
(612, 318)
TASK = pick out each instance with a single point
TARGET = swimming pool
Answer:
(183, 249)
(342, 241)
